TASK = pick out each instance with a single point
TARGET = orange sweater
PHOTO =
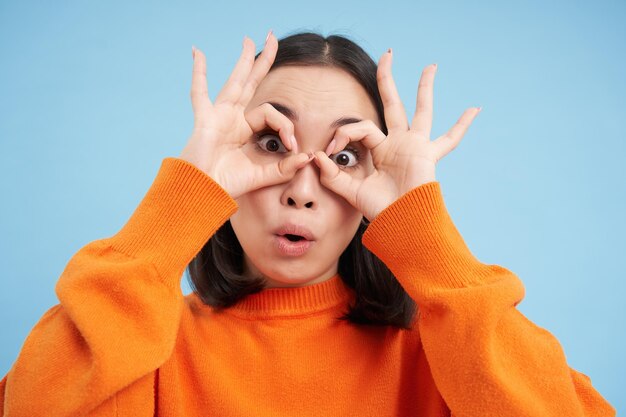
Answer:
(125, 341)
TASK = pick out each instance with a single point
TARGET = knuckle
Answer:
(266, 107)
(277, 117)
(283, 168)
(342, 131)
(266, 59)
(389, 102)
(381, 77)
(198, 71)
(253, 83)
(334, 180)
(369, 123)
(248, 59)
(421, 106)
(199, 91)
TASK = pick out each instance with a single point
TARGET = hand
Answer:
(404, 159)
(222, 129)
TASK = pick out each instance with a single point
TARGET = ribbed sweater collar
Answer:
(291, 301)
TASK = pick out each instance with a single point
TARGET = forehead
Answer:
(316, 91)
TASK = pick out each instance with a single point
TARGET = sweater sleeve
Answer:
(120, 301)
(485, 356)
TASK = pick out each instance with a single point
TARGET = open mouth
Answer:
(294, 238)
(289, 244)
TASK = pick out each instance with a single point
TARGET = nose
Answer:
(303, 190)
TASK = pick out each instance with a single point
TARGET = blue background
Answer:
(92, 98)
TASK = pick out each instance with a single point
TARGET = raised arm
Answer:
(120, 298)
(120, 301)
(486, 357)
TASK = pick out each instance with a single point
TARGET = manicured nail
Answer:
(331, 147)
(268, 36)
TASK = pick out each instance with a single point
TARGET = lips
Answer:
(295, 232)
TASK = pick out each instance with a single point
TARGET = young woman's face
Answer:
(318, 96)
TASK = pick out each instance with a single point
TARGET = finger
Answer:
(337, 180)
(200, 101)
(260, 69)
(364, 131)
(266, 115)
(279, 172)
(444, 144)
(395, 114)
(235, 83)
(423, 118)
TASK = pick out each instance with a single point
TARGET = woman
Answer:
(307, 210)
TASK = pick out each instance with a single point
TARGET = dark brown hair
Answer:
(216, 273)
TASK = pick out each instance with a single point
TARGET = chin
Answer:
(292, 281)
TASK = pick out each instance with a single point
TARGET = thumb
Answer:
(279, 172)
(336, 180)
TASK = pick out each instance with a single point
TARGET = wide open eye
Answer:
(343, 158)
(269, 142)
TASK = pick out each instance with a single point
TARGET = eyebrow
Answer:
(293, 116)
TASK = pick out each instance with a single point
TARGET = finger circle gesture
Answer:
(403, 159)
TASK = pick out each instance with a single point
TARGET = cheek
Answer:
(252, 209)
(344, 217)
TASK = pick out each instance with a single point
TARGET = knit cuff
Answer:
(417, 240)
(183, 208)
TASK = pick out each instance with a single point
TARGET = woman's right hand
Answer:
(222, 129)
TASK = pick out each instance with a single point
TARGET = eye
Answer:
(269, 142)
(343, 159)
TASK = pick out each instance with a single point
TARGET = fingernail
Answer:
(479, 109)
(193, 52)
(434, 66)
(294, 145)
(389, 51)
(303, 163)
(317, 160)
(268, 36)
(306, 161)
(244, 40)
(331, 147)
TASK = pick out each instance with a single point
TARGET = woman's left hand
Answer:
(404, 159)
